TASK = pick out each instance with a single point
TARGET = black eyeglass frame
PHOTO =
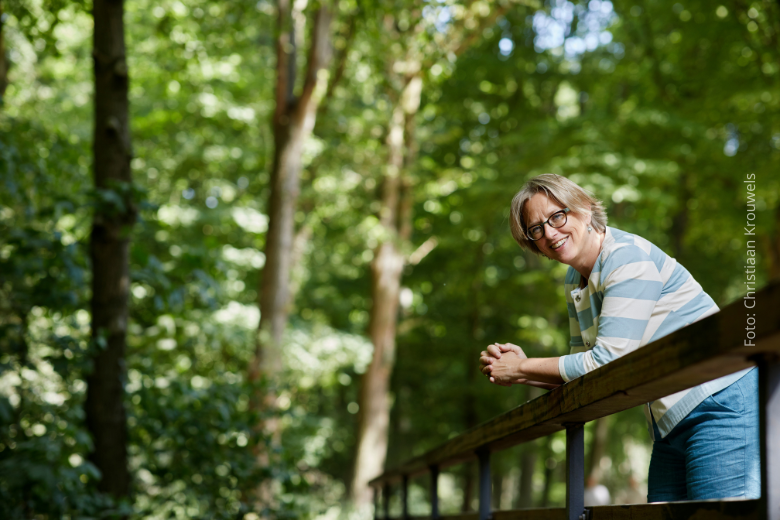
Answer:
(565, 220)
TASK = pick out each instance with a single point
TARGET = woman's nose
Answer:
(549, 231)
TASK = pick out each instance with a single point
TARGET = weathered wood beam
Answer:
(711, 348)
(729, 509)
(709, 509)
(557, 513)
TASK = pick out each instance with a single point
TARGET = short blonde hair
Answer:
(566, 194)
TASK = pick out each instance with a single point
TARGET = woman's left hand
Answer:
(500, 362)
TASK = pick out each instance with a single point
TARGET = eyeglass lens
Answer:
(556, 220)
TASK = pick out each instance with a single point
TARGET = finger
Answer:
(494, 351)
(486, 360)
(487, 370)
(514, 348)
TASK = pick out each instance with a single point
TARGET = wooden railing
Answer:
(744, 334)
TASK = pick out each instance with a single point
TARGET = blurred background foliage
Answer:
(660, 108)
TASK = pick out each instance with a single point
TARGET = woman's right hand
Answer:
(494, 353)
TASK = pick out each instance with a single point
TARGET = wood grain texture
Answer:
(556, 513)
(699, 510)
(701, 352)
(733, 509)
(460, 516)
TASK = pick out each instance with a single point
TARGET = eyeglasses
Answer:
(556, 220)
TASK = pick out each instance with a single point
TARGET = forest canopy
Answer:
(250, 252)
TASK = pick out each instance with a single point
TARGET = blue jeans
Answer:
(713, 452)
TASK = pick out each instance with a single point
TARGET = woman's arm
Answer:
(506, 364)
(632, 286)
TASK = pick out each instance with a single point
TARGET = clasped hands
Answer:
(503, 364)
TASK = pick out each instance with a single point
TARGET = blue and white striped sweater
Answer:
(635, 295)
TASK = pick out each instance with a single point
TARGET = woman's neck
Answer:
(588, 260)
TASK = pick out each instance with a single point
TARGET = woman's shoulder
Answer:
(617, 238)
(621, 247)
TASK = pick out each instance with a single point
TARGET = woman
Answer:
(623, 292)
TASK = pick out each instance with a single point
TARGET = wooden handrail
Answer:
(713, 347)
(706, 509)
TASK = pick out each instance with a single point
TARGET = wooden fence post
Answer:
(575, 472)
(769, 413)
(434, 492)
(405, 497)
(386, 499)
(484, 483)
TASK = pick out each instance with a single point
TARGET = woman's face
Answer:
(565, 244)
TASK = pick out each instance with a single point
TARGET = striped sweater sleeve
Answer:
(631, 285)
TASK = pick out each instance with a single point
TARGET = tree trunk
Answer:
(387, 265)
(109, 252)
(293, 122)
(549, 471)
(4, 63)
(525, 498)
(497, 483)
(774, 248)
(597, 447)
(386, 269)
(470, 418)
(680, 219)
(470, 469)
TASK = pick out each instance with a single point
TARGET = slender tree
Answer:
(405, 74)
(773, 247)
(293, 122)
(386, 270)
(109, 250)
(525, 492)
(598, 446)
(4, 63)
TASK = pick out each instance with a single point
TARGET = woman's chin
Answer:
(562, 253)
(560, 256)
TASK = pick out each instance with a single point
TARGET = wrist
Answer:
(520, 369)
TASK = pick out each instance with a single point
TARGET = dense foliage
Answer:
(659, 108)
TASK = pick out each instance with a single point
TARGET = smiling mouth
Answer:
(559, 243)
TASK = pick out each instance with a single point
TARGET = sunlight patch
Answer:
(245, 316)
(250, 220)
